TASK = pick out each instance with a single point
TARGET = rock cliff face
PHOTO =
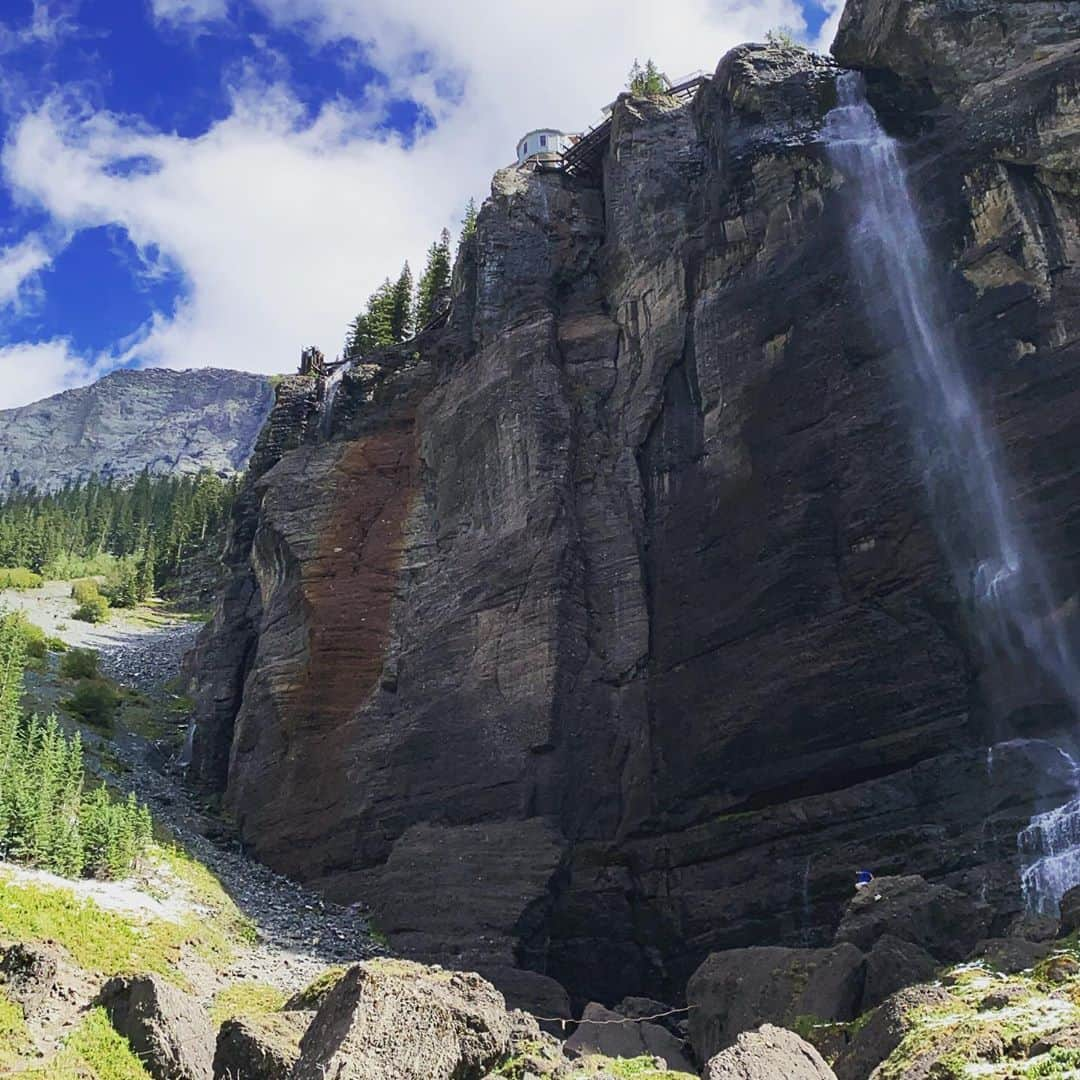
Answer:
(165, 421)
(606, 627)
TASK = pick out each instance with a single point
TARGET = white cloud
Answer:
(282, 226)
(18, 265)
(32, 370)
(834, 9)
(49, 23)
(189, 11)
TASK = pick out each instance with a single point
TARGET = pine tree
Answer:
(468, 222)
(144, 584)
(434, 284)
(401, 309)
(646, 81)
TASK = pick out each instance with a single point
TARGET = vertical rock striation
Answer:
(607, 627)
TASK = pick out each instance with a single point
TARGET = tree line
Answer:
(138, 533)
(398, 309)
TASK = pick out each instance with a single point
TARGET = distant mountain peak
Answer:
(170, 422)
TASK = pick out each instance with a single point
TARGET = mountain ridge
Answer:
(156, 419)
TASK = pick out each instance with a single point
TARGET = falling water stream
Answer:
(995, 563)
(326, 420)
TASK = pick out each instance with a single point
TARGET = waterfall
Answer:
(333, 381)
(995, 564)
(806, 908)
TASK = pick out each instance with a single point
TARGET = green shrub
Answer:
(1059, 1063)
(84, 590)
(783, 36)
(95, 610)
(80, 664)
(69, 567)
(95, 701)
(33, 637)
(18, 577)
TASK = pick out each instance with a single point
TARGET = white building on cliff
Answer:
(542, 143)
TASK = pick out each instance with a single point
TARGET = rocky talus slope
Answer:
(604, 627)
(170, 422)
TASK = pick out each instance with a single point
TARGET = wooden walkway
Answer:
(585, 156)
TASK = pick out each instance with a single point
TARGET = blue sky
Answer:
(220, 182)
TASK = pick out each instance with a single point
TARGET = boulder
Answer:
(891, 965)
(736, 990)
(537, 1053)
(1066, 1038)
(1059, 968)
(399, 1020)
(769, 1054)
(1070, 911)
(944, 922)
(610, 1034)
(168, 1030)
(1031, 926)
(27, 976)
(641, 1008)
(885, 1030)
(262, 1047)
(1011, 955)
(530, 991)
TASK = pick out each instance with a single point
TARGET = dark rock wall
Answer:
(608, 627)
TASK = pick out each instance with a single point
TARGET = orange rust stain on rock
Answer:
(349, 587)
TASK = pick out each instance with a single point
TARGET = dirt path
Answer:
(299, 934)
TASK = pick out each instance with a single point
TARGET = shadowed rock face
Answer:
(608, 628)
(169, 422)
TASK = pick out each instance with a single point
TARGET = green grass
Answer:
(109, 943)
(98, 940)
(245, 999)
(317, 991)
(14, 1038)
(94, 1050)
(639, 1068)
